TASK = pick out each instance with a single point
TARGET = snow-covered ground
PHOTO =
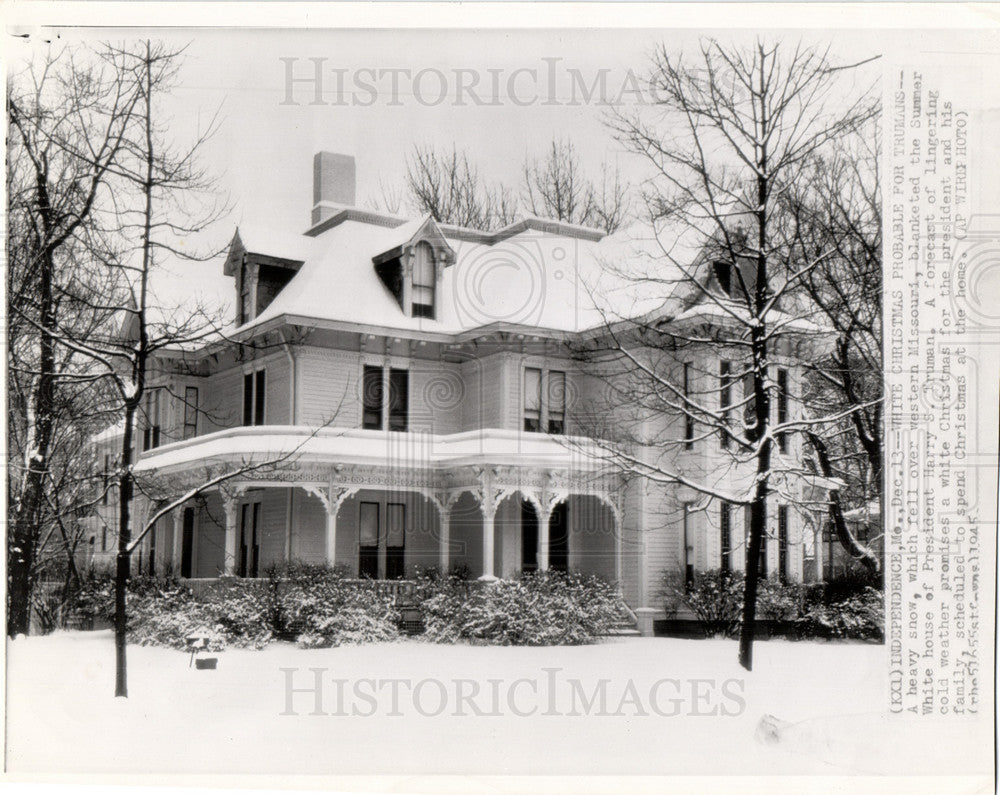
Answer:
(826, 702)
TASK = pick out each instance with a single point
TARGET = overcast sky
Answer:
(263, 150)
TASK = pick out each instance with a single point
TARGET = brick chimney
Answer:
(333, 184)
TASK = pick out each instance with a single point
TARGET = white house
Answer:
(419, 383)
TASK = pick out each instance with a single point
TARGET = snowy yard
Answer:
(62, 716)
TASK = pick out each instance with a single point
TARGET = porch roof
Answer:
(352, 446)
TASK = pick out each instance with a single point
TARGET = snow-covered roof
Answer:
(534, 274)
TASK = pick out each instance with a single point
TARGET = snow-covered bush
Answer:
(164, 613)
(716, 600)
(714, 597)
(320, 609)
(541, 609)
(859, 617)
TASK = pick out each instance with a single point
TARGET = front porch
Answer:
(495, 503)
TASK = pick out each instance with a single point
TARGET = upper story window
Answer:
(532, 399)
(151, 420)
(379, 383)
(544, 400)
(254, 386)
(725, 398)
(688, 417)
(782, 401)
(422, 302)
(190, 412)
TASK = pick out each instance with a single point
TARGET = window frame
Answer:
(190, 413)
(428, 309)
(255, 397)
(544, 419)
(151, 419)
(388, 401)
(783, 558)
(725, 537)
(781, 408)
(725, 400)
(688, 419)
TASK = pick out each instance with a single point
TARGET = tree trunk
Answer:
(28, 519)
(123, 559)
(758, 526)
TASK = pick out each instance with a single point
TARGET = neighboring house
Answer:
(425, 377)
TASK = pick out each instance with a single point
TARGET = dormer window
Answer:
(424, 279)
(724, 276)
(410, 270)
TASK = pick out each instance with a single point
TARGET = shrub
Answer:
(860, 617)
(538, 609)
(164, 614)
(321, 610)
(716, 599)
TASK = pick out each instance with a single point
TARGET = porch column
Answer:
(332, 498)
(490, 498)
(544, 517)
(445, 542)
(443, 501)
(231, 506)
(175, 537)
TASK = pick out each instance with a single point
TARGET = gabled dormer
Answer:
(262, 264)
(412, 269)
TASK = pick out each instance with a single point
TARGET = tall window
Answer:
(725, 537)
(749, 406)
(372, 398)
(249, 540)
(762, 562)
(532, 399)
(187, 543)
(254, 385)
(783, 542)
(422, 295)
(395, 540)
(725, 399)
(557, 401)
(783, 408)
(544, 400)
(688, 419)
(152, 550)
(190, 412)
(377, 411)
(151, 429)
(368, 542)
(399, 399)
(688, 546)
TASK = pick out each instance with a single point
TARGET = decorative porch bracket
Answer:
(444, 500)
(332, 498)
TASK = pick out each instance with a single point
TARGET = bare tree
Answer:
(557, 187)
(68, 117)
(733, 129)
(450, 188)
(837, 209)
